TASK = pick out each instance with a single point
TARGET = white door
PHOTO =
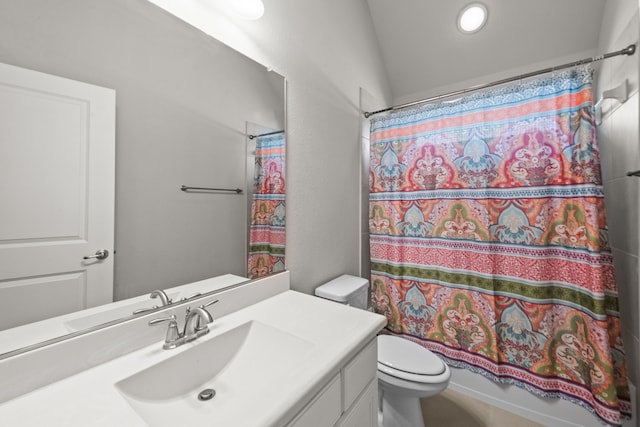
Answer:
(57, 169)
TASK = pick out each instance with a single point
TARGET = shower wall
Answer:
(620, 152)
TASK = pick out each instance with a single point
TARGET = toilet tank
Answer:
(346, 289)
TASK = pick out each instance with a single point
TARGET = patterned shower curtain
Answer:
(489, 240)
(266, 231)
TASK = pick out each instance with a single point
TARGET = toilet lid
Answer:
(406, 356)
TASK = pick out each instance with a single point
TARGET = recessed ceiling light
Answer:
(472, 18)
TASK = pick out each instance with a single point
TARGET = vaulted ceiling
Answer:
(425, 54)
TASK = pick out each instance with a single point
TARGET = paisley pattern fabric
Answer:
(489, 240)
(266, 232)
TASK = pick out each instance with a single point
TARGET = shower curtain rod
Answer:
(266, 134)
(629, 50)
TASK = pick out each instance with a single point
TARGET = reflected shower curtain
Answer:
(489, 240)
(266, 230)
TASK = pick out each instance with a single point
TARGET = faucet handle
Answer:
(159, 320)
(209, 303)
(173, 334)
(197, 294)
(144, 310)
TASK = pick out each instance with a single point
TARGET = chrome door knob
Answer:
(100, 254)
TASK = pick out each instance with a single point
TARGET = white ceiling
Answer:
(424, 52)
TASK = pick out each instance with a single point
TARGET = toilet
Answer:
(407, 371)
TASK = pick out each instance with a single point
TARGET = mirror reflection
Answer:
(267, 207)
(161, 105)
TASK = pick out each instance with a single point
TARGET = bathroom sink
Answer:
(112, 312)
(240, 365)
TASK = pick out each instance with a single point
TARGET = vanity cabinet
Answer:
(349, 399)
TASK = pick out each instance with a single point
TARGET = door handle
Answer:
(100, 254)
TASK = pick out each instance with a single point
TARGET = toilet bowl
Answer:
(407, 371)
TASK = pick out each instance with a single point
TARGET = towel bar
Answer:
(233, 190)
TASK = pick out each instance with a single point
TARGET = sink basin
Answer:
(112, 312)
(241, 365)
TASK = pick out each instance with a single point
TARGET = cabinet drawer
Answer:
(324, 410)
(359, 372)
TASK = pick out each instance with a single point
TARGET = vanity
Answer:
(272, 357)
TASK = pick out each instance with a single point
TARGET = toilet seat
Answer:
(404, 359)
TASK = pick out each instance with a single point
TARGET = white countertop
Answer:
(90, 398)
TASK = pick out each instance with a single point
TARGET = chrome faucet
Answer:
(195, 326)
(164, 298)
(158, 293)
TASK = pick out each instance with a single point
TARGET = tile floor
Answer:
(454, 409)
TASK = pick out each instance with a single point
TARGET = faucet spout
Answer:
(164, 298)
(193, 324)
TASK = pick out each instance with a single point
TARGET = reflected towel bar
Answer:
(231, 190)
(633, 173)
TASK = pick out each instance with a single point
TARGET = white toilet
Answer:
(406, 370)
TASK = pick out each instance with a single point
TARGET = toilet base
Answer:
(399, 411)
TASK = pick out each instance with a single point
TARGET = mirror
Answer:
(185, 105)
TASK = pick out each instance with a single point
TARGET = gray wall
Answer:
(182, 101)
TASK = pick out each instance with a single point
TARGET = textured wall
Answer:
(618, 138)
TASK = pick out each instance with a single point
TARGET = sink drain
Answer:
(206, 394)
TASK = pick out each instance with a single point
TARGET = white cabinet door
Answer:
(364, 412)
(57, 168)
(359, 372)
(324, 410)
